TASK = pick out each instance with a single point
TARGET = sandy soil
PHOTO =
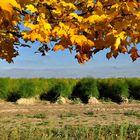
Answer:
(55, 115)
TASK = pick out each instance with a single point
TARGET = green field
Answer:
(43, 121)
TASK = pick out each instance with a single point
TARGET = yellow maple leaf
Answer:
(31, 26)
(79, 18)
(40, 38)
(9, 4)
(116, 6)
(96, 18)
(61, 33)
(137, 14)
(78, 39)
(121, 35)
(47, 26)
(57, 12)
(68, 5)
(31, 8)
(117, 43)
(90, 3)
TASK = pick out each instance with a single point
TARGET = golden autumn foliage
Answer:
(84, 26)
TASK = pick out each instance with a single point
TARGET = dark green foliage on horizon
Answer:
(134, 88)
(4, 88)
(51, 89)
(53, 94)
(103, 88)
(61, 87)
(114, 89)
(85, 88)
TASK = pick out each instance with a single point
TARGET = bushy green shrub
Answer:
(119, 90)
(14, 85)
(13, 94)
(4, 88)
(27, 89)
(51, 83)
(114, 89)
(134, 88)
(51, 89)
(41, 85)
(85, 88)
(64, 88)
(61, 88)
(103, 88)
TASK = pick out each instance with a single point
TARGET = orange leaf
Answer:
(58, 47)
(109, 55)
(80, 59)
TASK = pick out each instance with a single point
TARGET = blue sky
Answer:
(28, 59)
(98, 66)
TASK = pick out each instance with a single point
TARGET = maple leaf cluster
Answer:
(84, 26)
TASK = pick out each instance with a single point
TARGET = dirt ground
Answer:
(55, 115)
